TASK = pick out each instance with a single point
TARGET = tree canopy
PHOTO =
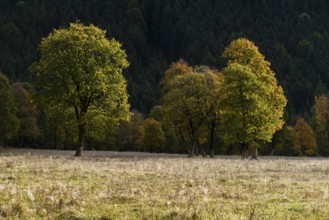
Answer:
(81, 70)
(189, 100)
(321, 115)
(303, 138)
(252, 102)
(151, 136)
(155, 34)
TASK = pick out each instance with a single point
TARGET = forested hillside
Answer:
(293, 35)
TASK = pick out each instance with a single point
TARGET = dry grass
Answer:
(34, 186)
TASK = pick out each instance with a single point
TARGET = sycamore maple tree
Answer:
(190, 97)
(81, 70)
(252, 103)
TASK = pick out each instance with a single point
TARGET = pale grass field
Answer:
(55, 185)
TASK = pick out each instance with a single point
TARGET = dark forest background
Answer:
(292, 34)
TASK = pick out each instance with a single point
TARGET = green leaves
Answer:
(252, 101)
(81, 70)
(80, 67)
(190, 99)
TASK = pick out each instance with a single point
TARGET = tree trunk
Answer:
(202, 151)
(193, 149)
(254, 153)
(272, 148)
(197, 150)
(191, 152)
(186, 145)
(244, 151)
(55, 138)
(66, 140)
(229, 150)
(212, 133)
(204, 154)
(81, 140)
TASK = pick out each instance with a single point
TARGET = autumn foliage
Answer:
(303, 138)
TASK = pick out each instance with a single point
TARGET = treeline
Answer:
(293, 36)
(25, 123)
(202, 111)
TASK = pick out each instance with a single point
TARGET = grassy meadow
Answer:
(56, 185)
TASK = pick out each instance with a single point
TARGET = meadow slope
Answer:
(56, 185)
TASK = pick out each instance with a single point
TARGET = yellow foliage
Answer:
(191, 97)
(303, 138)
(322, 113)
(253, 103)
(177, 68)
(151, 136)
